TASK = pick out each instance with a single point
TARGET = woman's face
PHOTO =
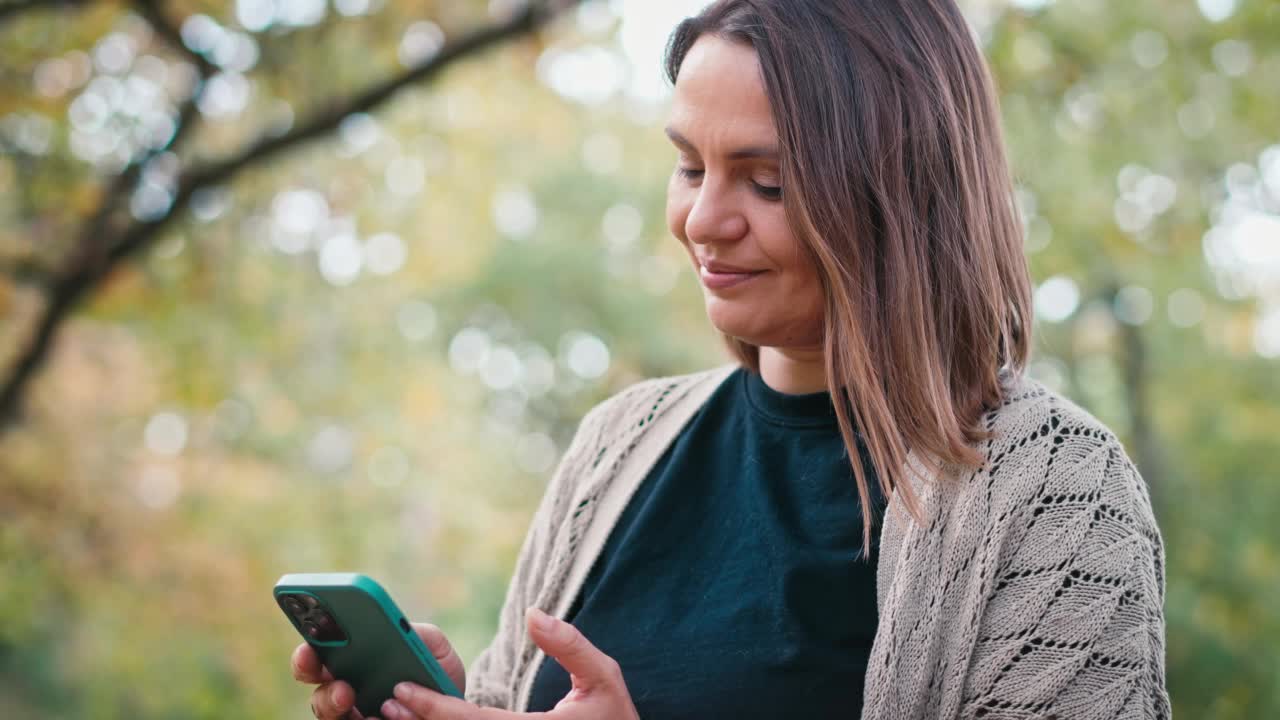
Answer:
(724, 201)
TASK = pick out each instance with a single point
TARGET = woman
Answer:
(719, 544)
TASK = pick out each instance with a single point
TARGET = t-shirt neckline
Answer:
(803, 410)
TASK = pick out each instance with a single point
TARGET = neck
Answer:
(794, 371)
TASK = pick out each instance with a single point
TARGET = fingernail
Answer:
(541, 620)
(392, 709)
(333, 695)
(403, 691)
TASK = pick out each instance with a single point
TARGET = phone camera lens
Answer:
(327, 628)
(292, 605)
(310, 602)
(311, 629)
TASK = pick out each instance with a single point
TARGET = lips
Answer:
(716, 276)
(720, 268)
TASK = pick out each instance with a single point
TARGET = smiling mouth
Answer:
(722, 280)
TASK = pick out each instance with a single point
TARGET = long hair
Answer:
(898, 189)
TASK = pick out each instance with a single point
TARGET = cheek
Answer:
(802, 282)
(677, 212)
(782, 247)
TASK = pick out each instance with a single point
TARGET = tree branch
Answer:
(26, 271)
(167, 30)
(96, 258)
(1136, 370)
(91, 246)
(10, 10)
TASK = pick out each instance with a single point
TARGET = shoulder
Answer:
(1049, 450)
(1076, 575)
(1058, 478)
(642, 400)
(617, 421)
(1039, 426)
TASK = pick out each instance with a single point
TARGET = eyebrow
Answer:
(746, 153)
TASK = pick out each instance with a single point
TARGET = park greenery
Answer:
(300, 286)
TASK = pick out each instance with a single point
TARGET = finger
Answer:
(443, 651)
(334, 701)
(420, 702)
(307, 667)
(434, 637)
(562, 641)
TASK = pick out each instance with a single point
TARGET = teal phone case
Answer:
(380, 648)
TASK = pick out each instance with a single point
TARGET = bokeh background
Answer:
(296, 285)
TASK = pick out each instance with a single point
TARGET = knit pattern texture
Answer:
(1034, 587)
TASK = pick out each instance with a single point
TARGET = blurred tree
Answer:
(1144, 139)
(156, 183)
(367, 352)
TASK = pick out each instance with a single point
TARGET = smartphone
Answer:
(360, 635)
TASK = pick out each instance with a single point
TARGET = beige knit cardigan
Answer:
(1033, 589)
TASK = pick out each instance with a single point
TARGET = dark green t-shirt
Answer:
(733, 583)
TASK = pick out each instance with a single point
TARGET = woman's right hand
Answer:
(335, 699)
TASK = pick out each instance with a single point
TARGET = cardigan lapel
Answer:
(616, 492)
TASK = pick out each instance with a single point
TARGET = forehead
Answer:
(719, 92)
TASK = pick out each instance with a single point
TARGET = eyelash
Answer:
(766, 191)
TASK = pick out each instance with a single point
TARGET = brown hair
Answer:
(897, 186)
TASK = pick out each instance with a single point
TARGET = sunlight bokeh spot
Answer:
(420, 42)
(589, 75)
(385, 253)
(200, 32)
(1149, 48)
(331, 449)
(584, 354)
(602, 153)
(352, 8)
(166, 433)
(1056, 298)
(501, 368)
(468, 350)
(622, 225)
(158, 486)
(539, 375)
(113, 54)
(359, 132)
(405, 176)
(255, 15)
(225, 96)
(514, 211)
(1133, 305)
(535, 453)
(52, 77)
(416, 320)
(341, 259)
(1217, 10)
(1233, 57)
(299, 211)
(1266, 334)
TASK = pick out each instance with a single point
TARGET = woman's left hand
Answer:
(598, 692)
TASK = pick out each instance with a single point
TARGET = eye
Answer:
(689, 173)
(768, 192)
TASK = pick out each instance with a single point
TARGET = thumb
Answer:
(589, 667)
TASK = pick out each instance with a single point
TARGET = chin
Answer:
(754, 325)
(737, 319)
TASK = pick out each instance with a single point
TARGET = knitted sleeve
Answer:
(491, 681)
(1074, 625)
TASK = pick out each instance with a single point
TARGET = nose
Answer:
(715, 216)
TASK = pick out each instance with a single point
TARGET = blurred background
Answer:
(297, 285)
